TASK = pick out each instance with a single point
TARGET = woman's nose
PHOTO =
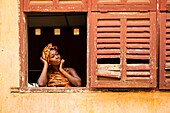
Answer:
(56, 56)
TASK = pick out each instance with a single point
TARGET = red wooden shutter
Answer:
(124, 52)
(164, 5)
(123, 5)
(55, 5)
(164, 50)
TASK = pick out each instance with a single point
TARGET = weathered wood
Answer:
(164, 5)
(133, 39)
(55, 5)
(138, 45)
(108, 66)
(138, 67)
(138, 74)
(110, 41)
(102, 46)
(123, 5)
(107, 51)
(109, 56)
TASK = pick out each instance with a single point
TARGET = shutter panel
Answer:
(164, 5)
(124, 49)
(165, 50)
(123, 5)
(55, 5)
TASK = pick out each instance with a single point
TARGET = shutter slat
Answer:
(108, 35)
(138, 51)
(138, 73)
(145, 79)
(108, 23)
(138, 67)
(138, 24)
(138, 40)
(137, 46)
(109, 56)
(167, 52)
(108, 51)
(108, 66)
(106, 46)
(138, 35)
(167, 30)
(141, 29)
(108, 40)
(167, 75)
(167, 41)
(167, 58)
(168, 47)
(138, 57)
(167, 36)
(108, 29)
(109, 74)
(167, 65)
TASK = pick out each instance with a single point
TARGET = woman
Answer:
(53, 73)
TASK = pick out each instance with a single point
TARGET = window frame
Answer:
(23, 54)
(25, 6)
(55, 5)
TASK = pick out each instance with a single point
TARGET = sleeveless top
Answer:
(57, 79)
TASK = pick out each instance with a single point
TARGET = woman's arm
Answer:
(42, 80)
(72, 75)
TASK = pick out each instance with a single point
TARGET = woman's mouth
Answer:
(58, 60)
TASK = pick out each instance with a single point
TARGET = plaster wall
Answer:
(87, 102)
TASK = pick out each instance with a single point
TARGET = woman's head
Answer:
(51, 55)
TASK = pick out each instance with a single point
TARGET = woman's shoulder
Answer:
(69, 69)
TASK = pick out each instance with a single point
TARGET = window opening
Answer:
(137, 61)
(57, 28)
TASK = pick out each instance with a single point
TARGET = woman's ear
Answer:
(49, 63)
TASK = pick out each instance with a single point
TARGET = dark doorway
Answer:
(73, 48)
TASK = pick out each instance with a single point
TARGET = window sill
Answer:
(49, 90)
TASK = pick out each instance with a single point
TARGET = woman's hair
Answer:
(46, 51)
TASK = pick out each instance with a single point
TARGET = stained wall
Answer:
(86, 102)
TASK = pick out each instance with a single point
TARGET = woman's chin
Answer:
(57, 63)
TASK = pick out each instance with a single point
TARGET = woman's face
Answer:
(55, 57)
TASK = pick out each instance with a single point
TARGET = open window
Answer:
(119, 41)
(66, 30)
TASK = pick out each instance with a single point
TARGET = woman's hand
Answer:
(61, 65)
(71, 75)
(42, 58)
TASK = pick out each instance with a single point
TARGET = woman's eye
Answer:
(52, 56)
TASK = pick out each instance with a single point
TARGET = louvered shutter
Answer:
(124, 51)
(164, 50)
(123, 5)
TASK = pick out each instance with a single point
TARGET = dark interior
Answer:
(71, 47)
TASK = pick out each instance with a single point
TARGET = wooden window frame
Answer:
(23, 53)
(123, 5)
(56, 6)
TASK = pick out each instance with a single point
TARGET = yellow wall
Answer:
(88, 102)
